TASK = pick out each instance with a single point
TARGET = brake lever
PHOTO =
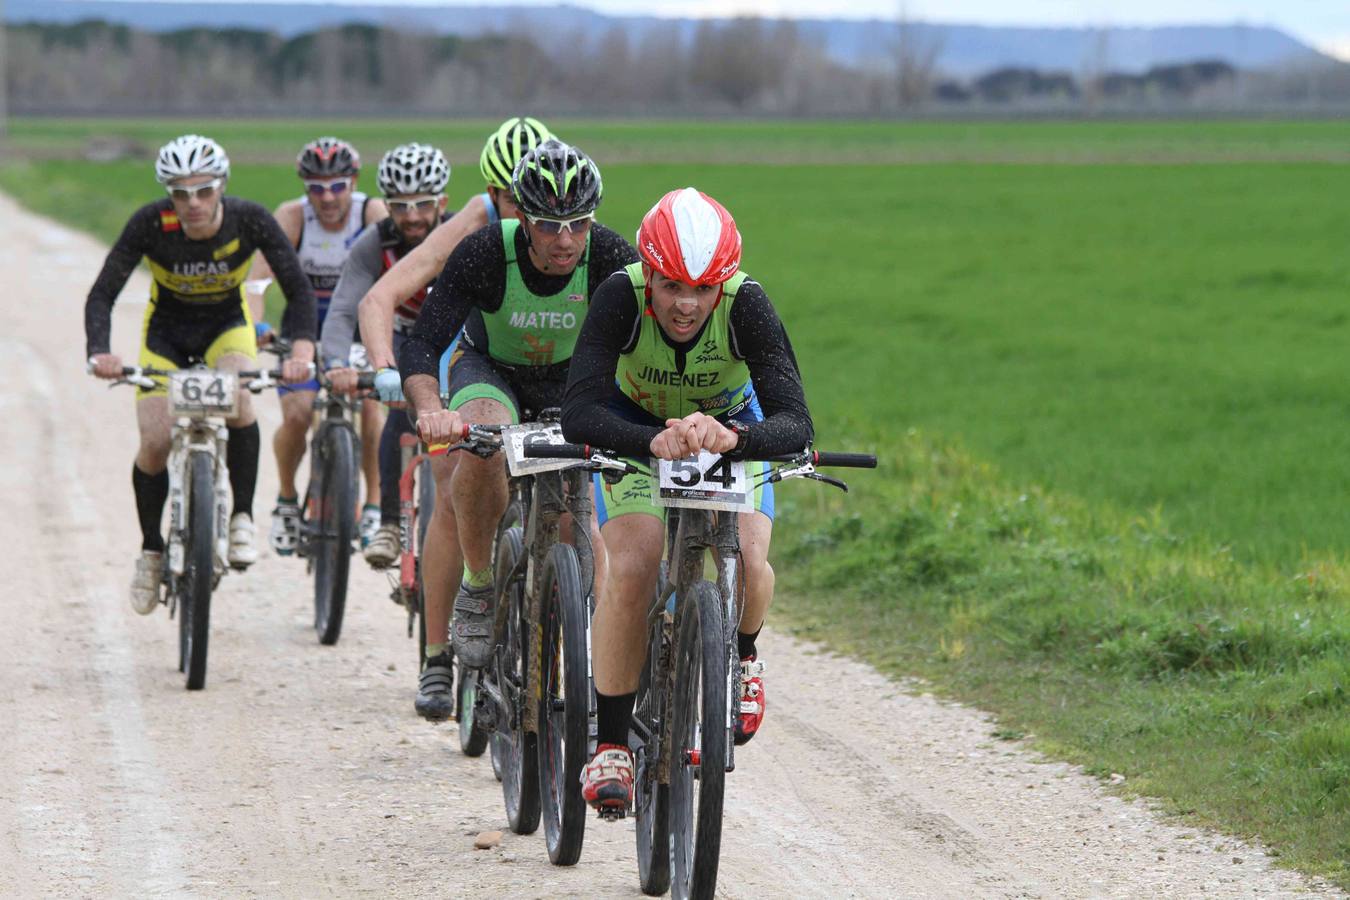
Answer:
(833, 482)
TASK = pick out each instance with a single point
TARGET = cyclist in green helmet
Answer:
(520, 290)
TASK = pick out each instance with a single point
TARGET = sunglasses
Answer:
(186, 194)
(403, 207)
(337, 187)
(555, 226)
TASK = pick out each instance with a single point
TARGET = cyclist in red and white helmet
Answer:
(679, 353)
(322, 225)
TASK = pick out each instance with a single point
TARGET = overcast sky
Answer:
(1324, 23)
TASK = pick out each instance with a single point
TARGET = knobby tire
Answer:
(700, 722)
(336, 524)
(194, 613)
(564, 710)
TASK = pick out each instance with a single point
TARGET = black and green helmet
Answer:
(508, 144)
(557, 181)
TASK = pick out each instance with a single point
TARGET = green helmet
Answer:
(507, 145)
(555, 180)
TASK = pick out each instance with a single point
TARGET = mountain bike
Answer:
(200, 402)
(327, 531)
(536, 698)
(682, 734)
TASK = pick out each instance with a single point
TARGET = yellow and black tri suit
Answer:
(197, 308)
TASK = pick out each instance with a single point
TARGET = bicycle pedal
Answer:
(611, 813)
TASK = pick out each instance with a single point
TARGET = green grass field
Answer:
(1106, 383)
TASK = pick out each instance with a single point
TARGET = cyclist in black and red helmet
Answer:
(322, 226)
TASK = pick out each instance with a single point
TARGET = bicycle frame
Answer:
(196, 434)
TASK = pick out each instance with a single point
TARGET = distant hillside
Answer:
(964, 50)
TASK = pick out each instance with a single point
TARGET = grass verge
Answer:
(1219, 686)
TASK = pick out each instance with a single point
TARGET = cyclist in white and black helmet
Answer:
(197, 242)
(412, 178)
(321, 226)
(442, 562)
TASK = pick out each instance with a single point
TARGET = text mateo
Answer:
(543, 320)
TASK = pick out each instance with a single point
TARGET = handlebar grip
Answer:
(365, 381)
(850, 460)
(557, 451)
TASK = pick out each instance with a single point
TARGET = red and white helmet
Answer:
(690, 237)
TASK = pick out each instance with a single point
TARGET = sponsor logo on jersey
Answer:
(637, 393)
(543, 319)
(678, 379)
(200, 268)
(168, 220)
(226, 250)
(576, 298)
(540, 352)
(709, 353)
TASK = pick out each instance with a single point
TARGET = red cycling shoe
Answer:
(752, 700)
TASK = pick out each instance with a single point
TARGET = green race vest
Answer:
(713, 381)
(530, 330)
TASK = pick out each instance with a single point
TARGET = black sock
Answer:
(242, 458)
(151, 491)
(613, 716)
(745, 643)
(391, 465)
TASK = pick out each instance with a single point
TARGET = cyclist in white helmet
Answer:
(412, 178)
(197, 242)
(443, 561)
(321, 225)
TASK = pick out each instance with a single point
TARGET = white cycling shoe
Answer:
(285, 534)
(243, 549)
(145, 584)
(384, 548)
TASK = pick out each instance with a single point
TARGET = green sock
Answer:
(479, 579)
(435, 650)
(291, 500)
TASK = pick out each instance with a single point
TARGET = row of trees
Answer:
(737, 66)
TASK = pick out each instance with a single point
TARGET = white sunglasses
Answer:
(186, 193)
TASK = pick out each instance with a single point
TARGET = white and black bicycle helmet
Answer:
(191, 154)
(413, 169)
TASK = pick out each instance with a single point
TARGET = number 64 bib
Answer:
(710, 481)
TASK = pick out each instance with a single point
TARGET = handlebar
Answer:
(558, 451)
(843, 460)
(584, 451)
(254, 380)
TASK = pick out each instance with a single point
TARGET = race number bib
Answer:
(203, 392)
(515, 438)
(709, 482)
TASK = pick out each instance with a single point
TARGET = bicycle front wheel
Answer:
(699, 743)
(565, 708)
(194, 613)
(335, 525)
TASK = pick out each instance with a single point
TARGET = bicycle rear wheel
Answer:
(651, 798)
(565, 708)
(426, 499)
(520, 748)
(335, 528)
(509, 547)
(699, 743)
(194, 612)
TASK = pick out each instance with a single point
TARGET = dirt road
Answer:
(302, 771)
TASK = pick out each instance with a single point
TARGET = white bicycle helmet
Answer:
(413, 169)
(191, 154)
